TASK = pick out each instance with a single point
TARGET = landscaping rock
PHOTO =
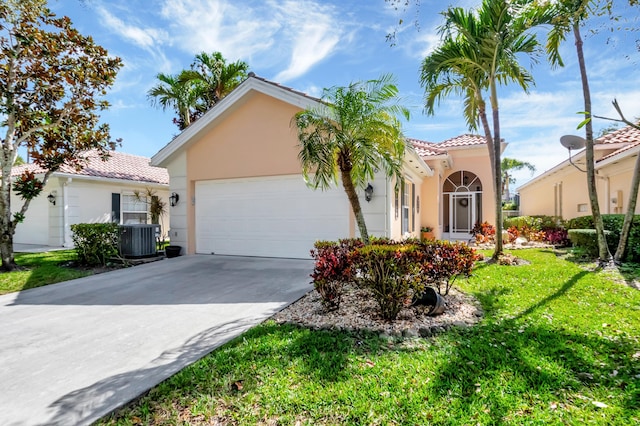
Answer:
(358, 311)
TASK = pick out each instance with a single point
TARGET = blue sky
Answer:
(309, 45)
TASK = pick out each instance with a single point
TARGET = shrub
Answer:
(95, 243)
(390, 272)
(332, 269)
(446, 262)
(586, 239)
(483, 232)
(557, 237)
(513, 233)
(613, 224)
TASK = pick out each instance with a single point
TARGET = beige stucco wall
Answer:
(471, 159)
(255, 138)
(567, 188)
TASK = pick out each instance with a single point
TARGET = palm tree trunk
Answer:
(603, 250)
(628, 217)
(497, 173)
(347, 184)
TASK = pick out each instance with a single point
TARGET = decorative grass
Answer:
(558, 345)
(38, 269)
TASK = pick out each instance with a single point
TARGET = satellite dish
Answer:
(572, 142)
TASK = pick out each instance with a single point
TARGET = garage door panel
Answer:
(275, 216)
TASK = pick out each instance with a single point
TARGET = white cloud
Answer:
(314, 33)
(146, 38)
(219, 25)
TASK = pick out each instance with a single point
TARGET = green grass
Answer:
(38, 269)
(558, 345)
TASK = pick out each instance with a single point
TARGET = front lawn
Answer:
(558, 345)
(38, 269)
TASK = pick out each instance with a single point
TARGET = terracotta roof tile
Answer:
(118, 166)
(625, 135)
(425, 149)
(463, 140)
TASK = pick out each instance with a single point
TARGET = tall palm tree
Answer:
(354, 133)
(176, 92)
(217, 77)
(508, 166)
(192, 92)
(480, 50)
(571, 15)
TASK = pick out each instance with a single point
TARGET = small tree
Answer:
(354, 133)
(52, 80)
(508, 166)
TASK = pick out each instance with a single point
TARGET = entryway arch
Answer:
(461, 204)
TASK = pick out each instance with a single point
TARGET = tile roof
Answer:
(425, 149)
(625, 135)
(429, 149)
(629, 136)
(118, 166)
(463, 140)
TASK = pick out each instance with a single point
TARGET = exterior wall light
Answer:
(52, 197)
(173, 200)
(368, 192)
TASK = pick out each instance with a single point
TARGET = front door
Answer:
(461, 214)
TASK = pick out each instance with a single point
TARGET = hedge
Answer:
(613, 224)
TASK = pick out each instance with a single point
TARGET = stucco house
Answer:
(103, 191)
(562, 190)
(238, 172)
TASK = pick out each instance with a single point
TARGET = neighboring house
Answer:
(562, 190)
(103, 191)
(238, 172)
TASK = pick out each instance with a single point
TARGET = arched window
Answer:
(461, 203)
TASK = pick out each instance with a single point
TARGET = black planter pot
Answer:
(173, 251)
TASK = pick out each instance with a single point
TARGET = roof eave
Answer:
(161, 158)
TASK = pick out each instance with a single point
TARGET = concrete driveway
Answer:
(74, 351)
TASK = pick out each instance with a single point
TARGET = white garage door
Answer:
(269, 216)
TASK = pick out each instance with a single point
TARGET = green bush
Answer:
(95, 243)
(390, 272)
(613, 224)
(586, 239)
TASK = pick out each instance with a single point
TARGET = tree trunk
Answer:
(347, 184)
(497, 173)
(603, 251)
(6, 224)
(631, 208)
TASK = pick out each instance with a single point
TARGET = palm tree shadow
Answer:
(561, 292)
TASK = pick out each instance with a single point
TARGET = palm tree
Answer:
(178, 93)
(354, 133)
(508, 166)
(571, 14)
(192, 92)
(478, 51)
(216, 77)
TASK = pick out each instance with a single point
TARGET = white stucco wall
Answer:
(78, 200)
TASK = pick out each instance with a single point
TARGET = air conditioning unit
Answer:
(138, 240)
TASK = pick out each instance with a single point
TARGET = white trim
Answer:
(189, 134)
(619, 156)
(110, 180)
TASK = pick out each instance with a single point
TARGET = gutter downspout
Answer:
(66, 241)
